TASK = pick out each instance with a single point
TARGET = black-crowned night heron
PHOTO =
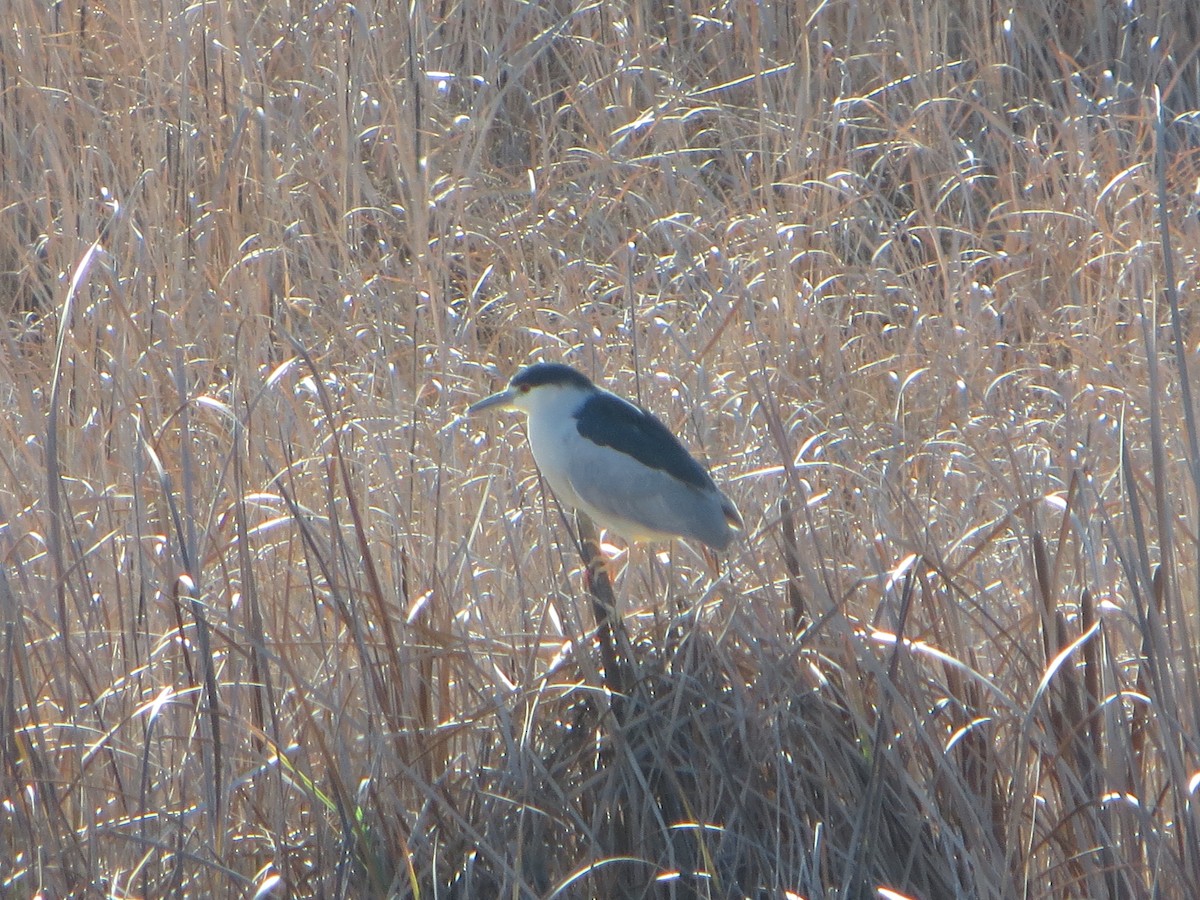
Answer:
(614, 461)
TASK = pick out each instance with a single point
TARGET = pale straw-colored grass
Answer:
(278, 621)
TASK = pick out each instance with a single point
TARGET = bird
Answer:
(614, 461)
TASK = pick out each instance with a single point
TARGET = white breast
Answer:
(552, 434)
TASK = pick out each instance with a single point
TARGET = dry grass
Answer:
(277, 621)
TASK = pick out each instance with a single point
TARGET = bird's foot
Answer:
(606, 562)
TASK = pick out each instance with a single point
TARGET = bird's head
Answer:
(537, 387)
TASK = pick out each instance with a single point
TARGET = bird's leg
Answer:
(596, 569)
(603, 604)
(600, 565)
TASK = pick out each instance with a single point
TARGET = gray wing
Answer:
(642, 503)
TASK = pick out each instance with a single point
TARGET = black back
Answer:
(608, 420)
